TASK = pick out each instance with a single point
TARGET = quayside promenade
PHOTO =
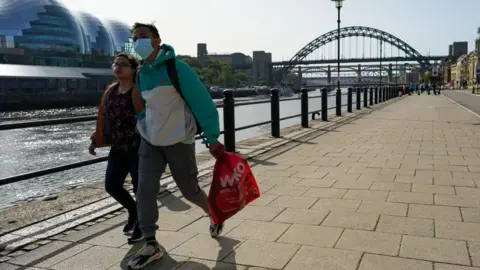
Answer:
(393, 187)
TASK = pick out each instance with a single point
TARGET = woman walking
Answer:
(116, 127)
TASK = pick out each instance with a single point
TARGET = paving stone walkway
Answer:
(395, 189)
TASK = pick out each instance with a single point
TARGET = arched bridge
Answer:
(323, 42)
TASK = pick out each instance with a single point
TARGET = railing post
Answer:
(381, 96)
(338, 102)
(376, 95)
(371, 96)
(324, 104)
(229, 120)
(304, 104)
(365, 97)
(359, 104)
(387, 95)
(349, 100)
(275, 112)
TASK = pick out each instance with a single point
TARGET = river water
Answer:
(38, 148)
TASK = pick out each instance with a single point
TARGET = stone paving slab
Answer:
(397, 188)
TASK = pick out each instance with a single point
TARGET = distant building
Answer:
(202, 53)
(262, 66)
(235, 59)
(458, 48)
(462, 69)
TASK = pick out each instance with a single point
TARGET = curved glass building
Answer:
(51, 56)
(120, 33)
(97, 38)
(39, 25)
(45, 32)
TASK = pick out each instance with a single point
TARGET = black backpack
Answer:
(173, 76)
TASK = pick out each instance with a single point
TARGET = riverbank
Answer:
(40, 148)
(33, 211)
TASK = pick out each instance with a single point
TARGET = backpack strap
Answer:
(173, 76)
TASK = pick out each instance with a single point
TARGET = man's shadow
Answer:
(172, 203)
(168, 261)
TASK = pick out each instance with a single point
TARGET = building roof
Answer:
(30, 71)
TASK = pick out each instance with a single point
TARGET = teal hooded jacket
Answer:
(166, 119)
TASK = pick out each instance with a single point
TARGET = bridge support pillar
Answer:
(359, 72)
(422, 69)
(329, 74)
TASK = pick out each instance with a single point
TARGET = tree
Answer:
(216, 73)
(429, 78)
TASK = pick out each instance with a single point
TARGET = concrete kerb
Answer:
(460, 105)
(14, 240)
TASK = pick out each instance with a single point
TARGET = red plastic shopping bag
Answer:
(233, 187)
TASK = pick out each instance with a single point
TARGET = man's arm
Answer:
(200, 101)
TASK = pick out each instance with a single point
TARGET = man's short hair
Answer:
(150, 26)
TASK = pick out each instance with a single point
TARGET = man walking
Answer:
(177, 105)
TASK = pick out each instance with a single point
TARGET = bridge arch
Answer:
(351, 31)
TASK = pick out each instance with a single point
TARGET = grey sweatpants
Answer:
(152, 162)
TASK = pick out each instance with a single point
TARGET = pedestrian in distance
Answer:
(177, 108)
(116, 127)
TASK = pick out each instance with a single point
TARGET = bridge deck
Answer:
(395, 189)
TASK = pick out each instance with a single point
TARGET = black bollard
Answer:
(371, 96)
(229, 120)
(359, 104)
(324, 104)
(338, 102)
(275, 112)
(365, 97)
(349, 100)
(376, 95)
(304, 104)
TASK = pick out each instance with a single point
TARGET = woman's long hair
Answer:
(133, 64)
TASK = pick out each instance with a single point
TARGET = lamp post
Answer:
(338, 5)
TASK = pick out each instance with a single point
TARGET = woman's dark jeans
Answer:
(120, 163)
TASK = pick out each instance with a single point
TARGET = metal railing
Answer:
(377, 95)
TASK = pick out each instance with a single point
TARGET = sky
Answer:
(283, 27)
